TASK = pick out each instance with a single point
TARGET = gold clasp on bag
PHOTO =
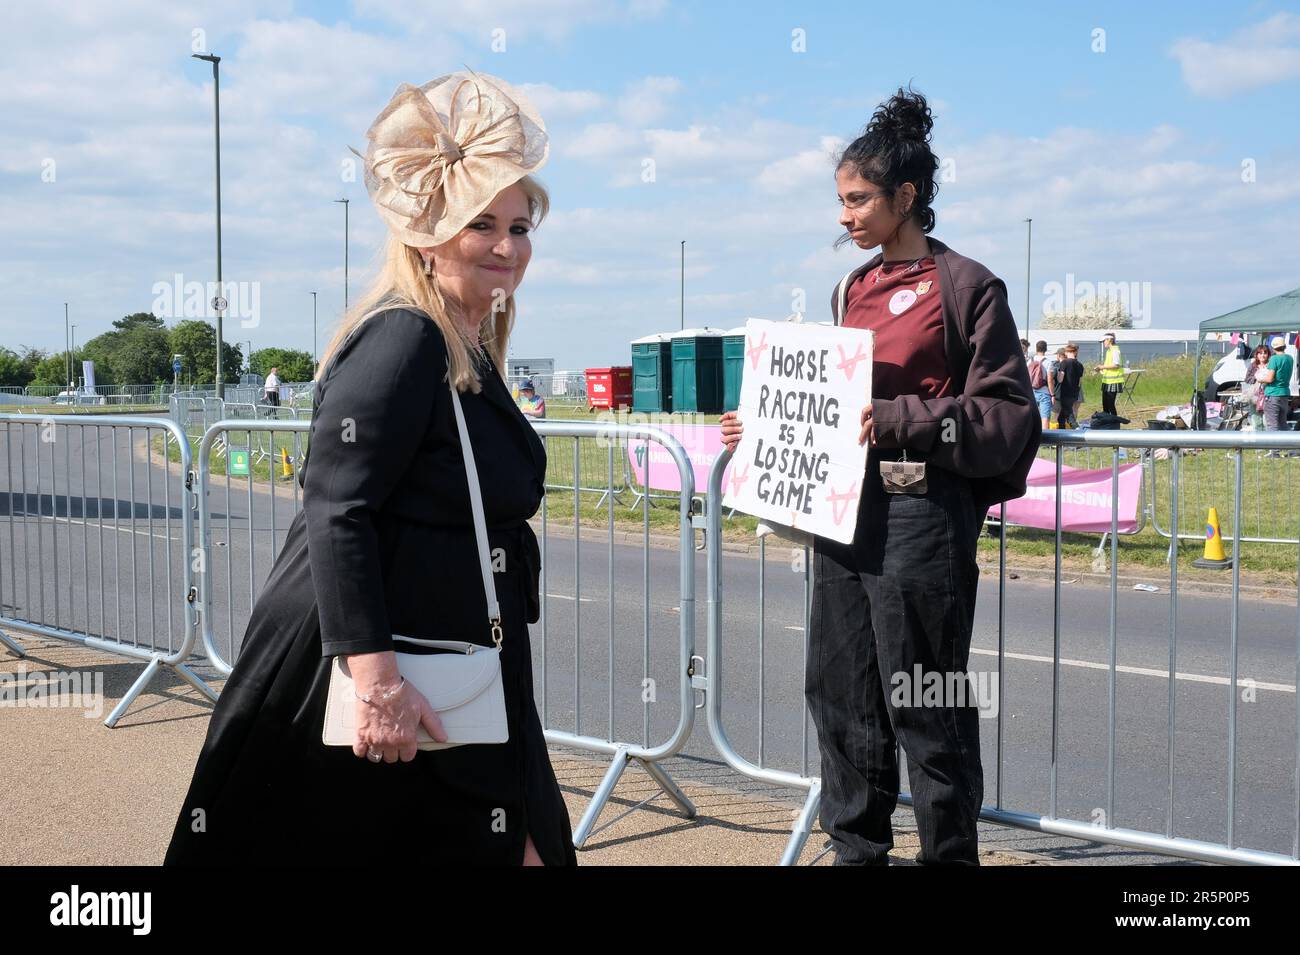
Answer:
(497, 635)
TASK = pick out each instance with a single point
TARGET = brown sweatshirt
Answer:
(995, 428)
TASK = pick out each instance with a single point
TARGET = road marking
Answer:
(1143, 671)
(1137, 671)
(64, 522)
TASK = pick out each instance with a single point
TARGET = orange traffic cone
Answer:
(1214, 557)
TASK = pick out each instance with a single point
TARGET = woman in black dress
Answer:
(385, 543)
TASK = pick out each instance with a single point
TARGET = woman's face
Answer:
(865, 212)
(483, 265)
(1261, 355)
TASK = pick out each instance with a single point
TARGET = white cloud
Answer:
(518, 20)
(694, 154)
(1255, 56)
(646, 101)
(599, 141)
(557, 104)
(802, 169)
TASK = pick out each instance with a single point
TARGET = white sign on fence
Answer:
(799, 462)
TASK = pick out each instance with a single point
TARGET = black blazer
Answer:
(389, 528)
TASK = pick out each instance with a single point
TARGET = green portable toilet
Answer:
(697, 370)
(733, 367)
(652, 373)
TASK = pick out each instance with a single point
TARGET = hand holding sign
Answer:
(868, 430)
(731, 429)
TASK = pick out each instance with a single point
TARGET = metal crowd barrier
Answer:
(1212, 476)
(245, 534)
(97, 547)
(789, 663)
(86, 491)
(587, 464)
(679, 667)
(1048, 819)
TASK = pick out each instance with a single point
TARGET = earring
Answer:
(428, 266)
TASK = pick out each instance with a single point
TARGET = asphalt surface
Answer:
(103, 567)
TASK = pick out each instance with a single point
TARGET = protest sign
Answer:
(799, 462)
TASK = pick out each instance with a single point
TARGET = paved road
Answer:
(103, 565)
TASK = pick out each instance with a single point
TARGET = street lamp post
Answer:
(683, 284)
(67, 348)
(1029, 244)
(345, 251)
(313, 335)
(220, 302)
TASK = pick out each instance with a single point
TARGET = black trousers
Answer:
(901, 596)
(1108, 395)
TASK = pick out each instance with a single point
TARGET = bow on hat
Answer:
(440, 153)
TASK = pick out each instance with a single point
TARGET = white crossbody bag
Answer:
(463, 686)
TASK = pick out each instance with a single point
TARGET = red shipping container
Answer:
(609, 388)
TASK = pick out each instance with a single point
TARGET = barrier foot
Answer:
(190, 677)
(670, 788)
(136, 688)
(586, 826)
(14, 646)
(802, 826)
(606, 788)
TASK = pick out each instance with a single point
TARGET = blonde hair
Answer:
(401, 283)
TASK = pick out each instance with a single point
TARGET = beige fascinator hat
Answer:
(440, 153)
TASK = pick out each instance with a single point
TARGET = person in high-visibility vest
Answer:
(1112, 373)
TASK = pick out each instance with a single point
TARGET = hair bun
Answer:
(905, 115)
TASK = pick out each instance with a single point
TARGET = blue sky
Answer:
(1128, 158)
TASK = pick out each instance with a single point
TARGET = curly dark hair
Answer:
(894, 148)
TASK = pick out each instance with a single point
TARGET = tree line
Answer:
(139, 350)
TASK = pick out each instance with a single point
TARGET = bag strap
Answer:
(480, 524)
(842, 294)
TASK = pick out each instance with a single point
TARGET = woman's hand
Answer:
(868, 427)
(388, 723)
(731, 429)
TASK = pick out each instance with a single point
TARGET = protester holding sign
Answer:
(951, 396)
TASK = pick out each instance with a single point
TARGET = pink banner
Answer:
(1085, 499)
(703, 444)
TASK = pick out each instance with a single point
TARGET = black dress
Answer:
(384, 544)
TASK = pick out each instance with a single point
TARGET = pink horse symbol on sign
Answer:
(849, 364)
(840, 502)
(738, 480)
